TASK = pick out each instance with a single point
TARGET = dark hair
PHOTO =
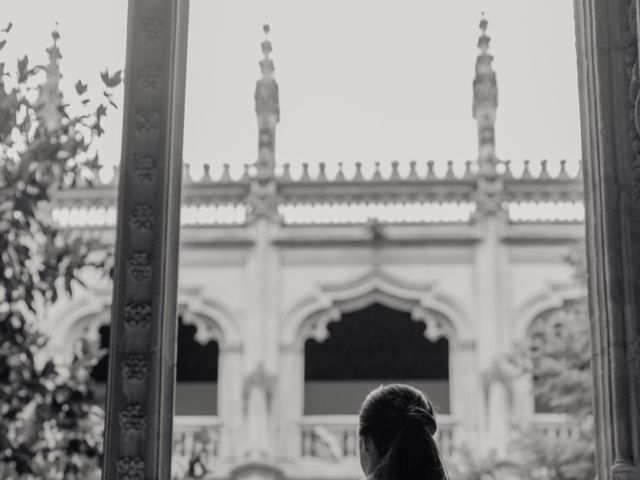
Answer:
(401, 423)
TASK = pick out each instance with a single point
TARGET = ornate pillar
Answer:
(485, 104)
(607, 43)
(489, 319)
(141, 380)
(490, 255)
(262, 288)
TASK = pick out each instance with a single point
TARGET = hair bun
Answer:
(418, 415)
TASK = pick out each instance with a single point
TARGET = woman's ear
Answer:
(368, 454)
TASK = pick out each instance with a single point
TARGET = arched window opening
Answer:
(560, 354)
(196, 371)
(367, 347)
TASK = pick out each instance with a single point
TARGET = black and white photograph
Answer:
(320, 240)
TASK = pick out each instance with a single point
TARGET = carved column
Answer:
(143, 319)
(489, 282)
(607, 42)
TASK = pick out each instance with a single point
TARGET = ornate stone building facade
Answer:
(297, 295)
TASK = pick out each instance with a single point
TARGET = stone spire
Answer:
(485, 103)
(267, 112)
(49, 98)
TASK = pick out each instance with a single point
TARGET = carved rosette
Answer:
(137, 314)
(149, 77)
(144, 170)
(152, 32)
(133, 417)
(142, 217)
(131, 468)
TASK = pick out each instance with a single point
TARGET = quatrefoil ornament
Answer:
(137, 314)
(130, 468)
(147, 123)
(152, 32)
(148, 77)
(142, 217)
(136, 367)
(145, 170)
(133, 417)
(140, 266)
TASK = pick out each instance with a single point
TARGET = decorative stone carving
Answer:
(136, 366)
(140, 266)
(607, 41)
(376, 231)
(145, 170)
(148, 77)
(152, 32)
(137, 314)
(490, 196)
(142, 217)
(263, 201)
(156, 66)
(266, 97)
(148, 123)
(258, 391)
(131, 468)
(133, 417)
(635, 169)
(633, 75)
(309, 318)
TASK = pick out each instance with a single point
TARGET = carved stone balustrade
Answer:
(556, 426)
(196, 445)
(333, 439)
(330, 441)
(544, 187)
(313, 197)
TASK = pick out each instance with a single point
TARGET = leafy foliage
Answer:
(51, 426)
(558, 358)
(561, 361)
(560, 354)
(545, 458)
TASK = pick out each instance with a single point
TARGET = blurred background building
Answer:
(300, 293)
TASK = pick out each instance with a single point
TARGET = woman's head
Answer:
(397, 424)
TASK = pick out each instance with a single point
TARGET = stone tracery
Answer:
(311, 315)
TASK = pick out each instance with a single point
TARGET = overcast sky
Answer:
(360, 80)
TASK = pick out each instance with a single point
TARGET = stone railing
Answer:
(196, 445)
(416, 194)
(556, 426)
(334, 438)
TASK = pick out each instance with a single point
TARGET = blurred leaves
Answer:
(558, 359)
(52, 427)
(111, 81)
(547, 458)
(80, 87)
(560, 354)
(22, 69)
(561, 360)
